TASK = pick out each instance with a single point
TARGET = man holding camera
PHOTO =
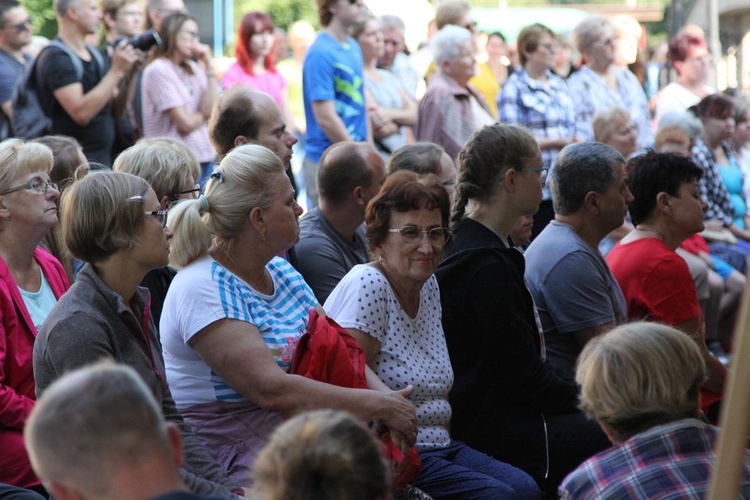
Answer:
(15, 36)
(80, 106)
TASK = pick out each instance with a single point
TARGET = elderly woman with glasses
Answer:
(235, 311)
(601, 84)
(31, 281)
(121, 236)
(392, 307)
(171, 169)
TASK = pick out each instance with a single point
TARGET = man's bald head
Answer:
(347, 165)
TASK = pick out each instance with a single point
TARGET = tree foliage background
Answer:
(285, 12)
(45, 23)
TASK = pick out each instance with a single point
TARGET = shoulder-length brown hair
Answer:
(170, 27)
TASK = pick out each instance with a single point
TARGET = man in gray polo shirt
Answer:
(332, 239)
(574, 291)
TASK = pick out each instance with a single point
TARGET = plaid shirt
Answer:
(667, 461)
(546, 109)
(590, 94)
(712, 188)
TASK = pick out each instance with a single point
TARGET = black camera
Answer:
(144, 41)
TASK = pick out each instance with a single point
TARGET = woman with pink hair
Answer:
(255, 66)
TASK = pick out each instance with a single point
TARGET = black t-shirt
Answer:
(56, 71)
(10, 71)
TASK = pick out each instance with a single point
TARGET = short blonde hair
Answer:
(321, 454)
(640, 375)
(605, 122)
(100, 216)
(242, 182)
(19, 158)
(166, 164)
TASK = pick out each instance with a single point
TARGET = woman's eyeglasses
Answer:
(195, 191)
(160, 214)
(412, 235)
(542, 170)
(37, 185)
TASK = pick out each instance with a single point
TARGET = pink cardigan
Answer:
(17, 389)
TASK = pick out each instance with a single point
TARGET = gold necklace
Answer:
(267, 290)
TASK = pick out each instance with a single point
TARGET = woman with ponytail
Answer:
(507, 401)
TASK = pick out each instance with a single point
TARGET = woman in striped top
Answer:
(234, 313)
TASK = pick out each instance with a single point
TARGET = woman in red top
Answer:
(655, 280)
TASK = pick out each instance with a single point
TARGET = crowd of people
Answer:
(508, 278)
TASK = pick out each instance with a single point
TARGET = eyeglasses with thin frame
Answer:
(38, 185)
(611, 41)
(450, 182)
(161, 215)
(542, 170)
(550, 46)
(195, 191)
(412, 235)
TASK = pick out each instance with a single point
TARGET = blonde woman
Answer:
(31, 282)
(235, 311)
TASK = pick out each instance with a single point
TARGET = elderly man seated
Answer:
(641, 382)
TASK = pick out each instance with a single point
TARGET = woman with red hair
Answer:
(255, 66)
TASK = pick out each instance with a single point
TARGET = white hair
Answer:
(446, 44)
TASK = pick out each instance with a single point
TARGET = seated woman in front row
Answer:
(392, 307)
(234, 313)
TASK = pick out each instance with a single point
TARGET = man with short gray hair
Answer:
(98, 432)
(394, 59)
(574, 291)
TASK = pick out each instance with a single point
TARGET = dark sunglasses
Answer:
(24, 25)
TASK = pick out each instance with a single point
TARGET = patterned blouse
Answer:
(590, 94)
(712, 188)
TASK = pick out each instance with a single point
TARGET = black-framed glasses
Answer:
(542, 170)
(38, 185)
(24, 25)
(160, 214)
(195, 191)
(412, 235)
